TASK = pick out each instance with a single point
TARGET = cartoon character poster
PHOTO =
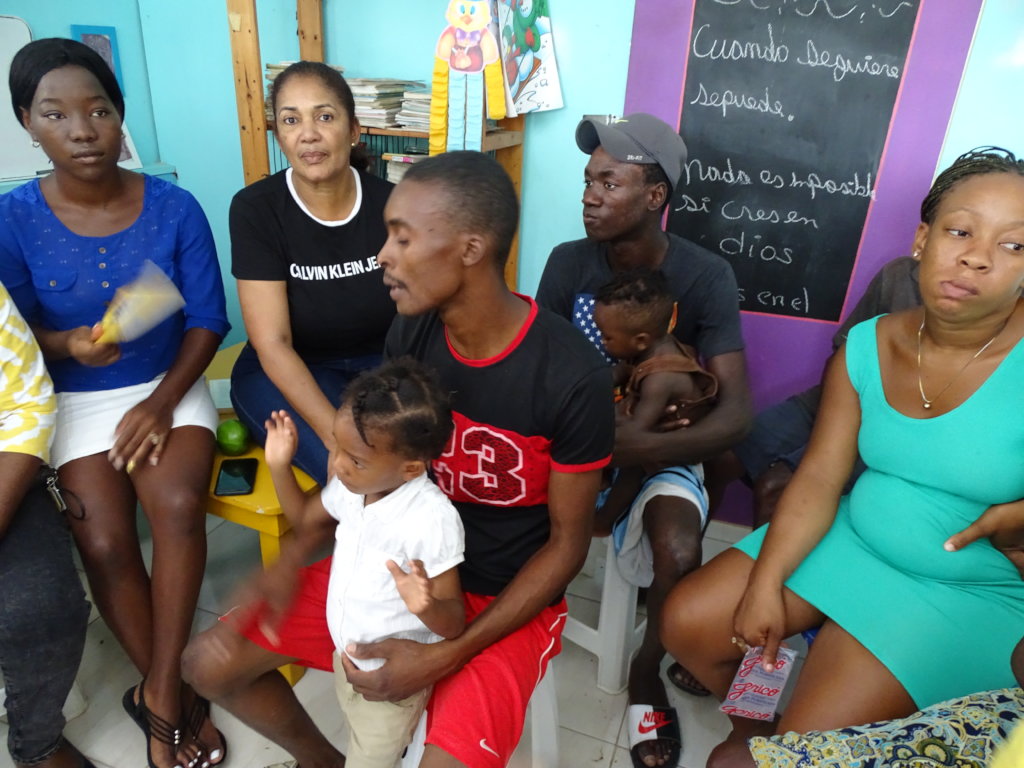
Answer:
(467, 82)
(528, 55)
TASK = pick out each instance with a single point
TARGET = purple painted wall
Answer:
(786, 354)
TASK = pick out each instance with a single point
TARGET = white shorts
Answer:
(632, 547)
(86, 420)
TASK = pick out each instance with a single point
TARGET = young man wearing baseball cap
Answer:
(635, 164)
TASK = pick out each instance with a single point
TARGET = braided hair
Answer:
(643, 296)
(977, 162)
(403, 400)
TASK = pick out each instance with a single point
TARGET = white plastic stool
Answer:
(617, 635)
(543, 714)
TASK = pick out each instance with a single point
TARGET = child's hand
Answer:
(282, 440)
(265, 597)
(415, 587)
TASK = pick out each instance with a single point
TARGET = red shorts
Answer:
(477, 714)
(303, 633)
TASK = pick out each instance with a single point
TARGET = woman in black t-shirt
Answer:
(304, 246)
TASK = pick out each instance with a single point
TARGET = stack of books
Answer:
(397, 165)
(415, 112)
(378, 100)
(270, 73)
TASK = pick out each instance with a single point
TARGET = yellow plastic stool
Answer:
(260, 511)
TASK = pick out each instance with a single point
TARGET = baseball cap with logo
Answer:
(638, 138)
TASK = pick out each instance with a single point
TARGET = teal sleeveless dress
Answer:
(944, 623)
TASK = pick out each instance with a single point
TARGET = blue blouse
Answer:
(61, 280)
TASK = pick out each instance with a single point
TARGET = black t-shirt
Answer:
(337, 303)
(544, 403)
(703, 284)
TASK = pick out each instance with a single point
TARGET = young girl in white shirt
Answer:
(398, 539)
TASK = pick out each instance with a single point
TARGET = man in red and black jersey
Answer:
(533, 429)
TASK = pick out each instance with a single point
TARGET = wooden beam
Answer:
(511, 159)
(309, 14)
(248, 69)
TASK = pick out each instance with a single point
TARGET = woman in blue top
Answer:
(915, 575)
(135, 420)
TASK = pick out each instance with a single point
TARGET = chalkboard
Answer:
(785, 112)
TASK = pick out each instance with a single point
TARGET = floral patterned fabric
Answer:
(961, 733)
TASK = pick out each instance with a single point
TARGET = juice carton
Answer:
(755, 692)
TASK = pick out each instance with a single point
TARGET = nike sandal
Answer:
(647, 723)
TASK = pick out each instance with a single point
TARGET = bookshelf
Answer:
(253, 126)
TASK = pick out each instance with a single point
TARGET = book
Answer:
(397, 165)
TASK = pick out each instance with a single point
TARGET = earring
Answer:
(35, 143)
(916, 255)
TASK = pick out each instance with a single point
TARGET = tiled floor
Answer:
(591, 732)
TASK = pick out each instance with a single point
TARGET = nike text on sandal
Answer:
(647, 723)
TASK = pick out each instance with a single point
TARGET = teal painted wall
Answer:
(592, 49)
(989, 109)
(189, 61)
(53, 18)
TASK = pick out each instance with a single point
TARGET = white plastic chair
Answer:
(617, 635)
(543, 718)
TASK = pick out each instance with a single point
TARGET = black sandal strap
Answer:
(197, 714)
(161, 730)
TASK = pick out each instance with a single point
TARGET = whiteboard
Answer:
(18, 158)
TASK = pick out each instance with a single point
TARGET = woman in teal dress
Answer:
(914, 576)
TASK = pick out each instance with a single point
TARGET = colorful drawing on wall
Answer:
(467, 78)
(103, 40)
(528, 55)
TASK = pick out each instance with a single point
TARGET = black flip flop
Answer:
(673, 674)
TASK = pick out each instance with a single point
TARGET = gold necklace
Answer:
(920, 386)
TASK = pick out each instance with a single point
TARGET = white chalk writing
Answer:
(713, 173)
(729, 98)
(737, 246)
(853, 187)
(733, 211)
(841, 66)
(800, 303)
(692, 206)
(735, 50)
(828, 9)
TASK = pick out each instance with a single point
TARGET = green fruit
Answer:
(232, 437)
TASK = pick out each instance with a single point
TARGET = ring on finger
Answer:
(130, 466)
(154, 438)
